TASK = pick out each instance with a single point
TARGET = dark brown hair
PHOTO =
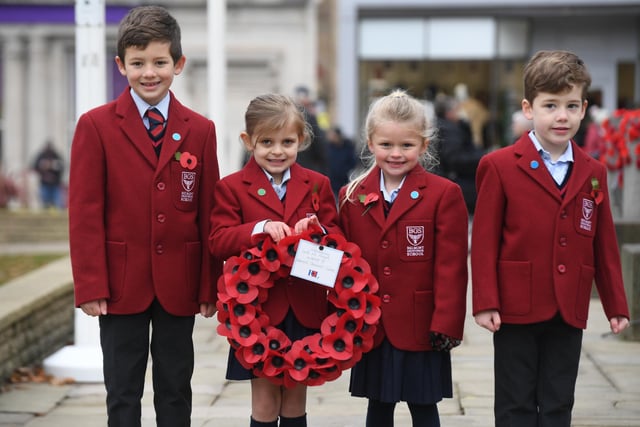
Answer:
(555, 71)
(145, 24)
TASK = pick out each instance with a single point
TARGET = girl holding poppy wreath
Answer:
(412, 228)
(274, 195)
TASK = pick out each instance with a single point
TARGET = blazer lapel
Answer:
(133, 127)
(412, 191)
(530, 162)
(297, 189)
(579, 174)
(371, 184)
(260, 189)
(176, 132)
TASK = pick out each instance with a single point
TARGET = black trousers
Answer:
(125, 349)
(536, 367)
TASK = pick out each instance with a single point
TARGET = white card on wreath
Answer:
(316, 263)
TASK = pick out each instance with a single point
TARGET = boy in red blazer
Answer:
(542, 232)
(139, 201)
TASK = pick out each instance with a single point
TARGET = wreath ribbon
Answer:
(345, 334)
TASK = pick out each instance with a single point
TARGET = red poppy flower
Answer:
(245, 335)
(253, 273)
(372, 311)
(188, 160)
(239, 289)
(243, 314)
(255, 353)
(338, 345)
(270, 256)
(299, 361)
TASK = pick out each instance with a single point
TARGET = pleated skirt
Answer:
(390, 375)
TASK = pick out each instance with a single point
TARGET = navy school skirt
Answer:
(391, 375)
(290, 326)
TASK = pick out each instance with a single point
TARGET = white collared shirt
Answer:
(559, 168)
(389, 197)
(162, 106)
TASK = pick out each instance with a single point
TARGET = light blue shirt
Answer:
(560, 167)
(162, 106)
(389, 197)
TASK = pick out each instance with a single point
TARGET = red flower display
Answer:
(345, 334)
(621, 133)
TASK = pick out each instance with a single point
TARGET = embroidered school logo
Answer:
(188, 182)
(587, 213)
(415, 237)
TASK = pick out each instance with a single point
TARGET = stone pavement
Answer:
(607, 393)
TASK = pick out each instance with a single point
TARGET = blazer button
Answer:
(161, 218)
(384, 244)
(563, 240)
(386, 271)
(386, 298)
(562, 268)
(563, 214)
(159, 249)
(161, 186)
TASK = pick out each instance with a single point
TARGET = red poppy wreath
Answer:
(345, 334)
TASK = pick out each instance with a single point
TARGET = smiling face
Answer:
(275, 150)
(150, 70)
(397, 148)
(556, 117)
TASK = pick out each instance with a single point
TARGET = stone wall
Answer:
(36, 316)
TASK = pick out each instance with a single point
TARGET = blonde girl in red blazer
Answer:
(273, 194)
(412, 228)
(542, 233)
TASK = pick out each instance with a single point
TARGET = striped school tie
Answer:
(156, 125)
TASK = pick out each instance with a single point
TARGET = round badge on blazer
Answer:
(176, 136)
(414, 194)
(534, 164)
(261, 191)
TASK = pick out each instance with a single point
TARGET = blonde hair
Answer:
(274, 111)
(399, 107)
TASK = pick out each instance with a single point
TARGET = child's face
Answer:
(275, 150)
(556, 117)
(150, 71)
(397, 148)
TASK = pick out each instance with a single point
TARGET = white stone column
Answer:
(13, 101)
(38, 84)
(217, 82)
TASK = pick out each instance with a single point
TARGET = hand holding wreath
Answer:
(345, 334)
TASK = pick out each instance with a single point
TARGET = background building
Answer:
(422, 45)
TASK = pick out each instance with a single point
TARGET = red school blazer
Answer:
(139, 224)
(535, 252)
(418, 254)
(243, 199)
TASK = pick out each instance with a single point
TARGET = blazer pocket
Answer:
(422, 314)
(583, 290)
(116, 268)
(192, 262)
(185, 184)
(514, 284)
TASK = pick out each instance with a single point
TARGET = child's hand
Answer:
(95, 308)
(489, 319)
(277, 230)
(306, 223)
(207, 309)
(618, 324)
